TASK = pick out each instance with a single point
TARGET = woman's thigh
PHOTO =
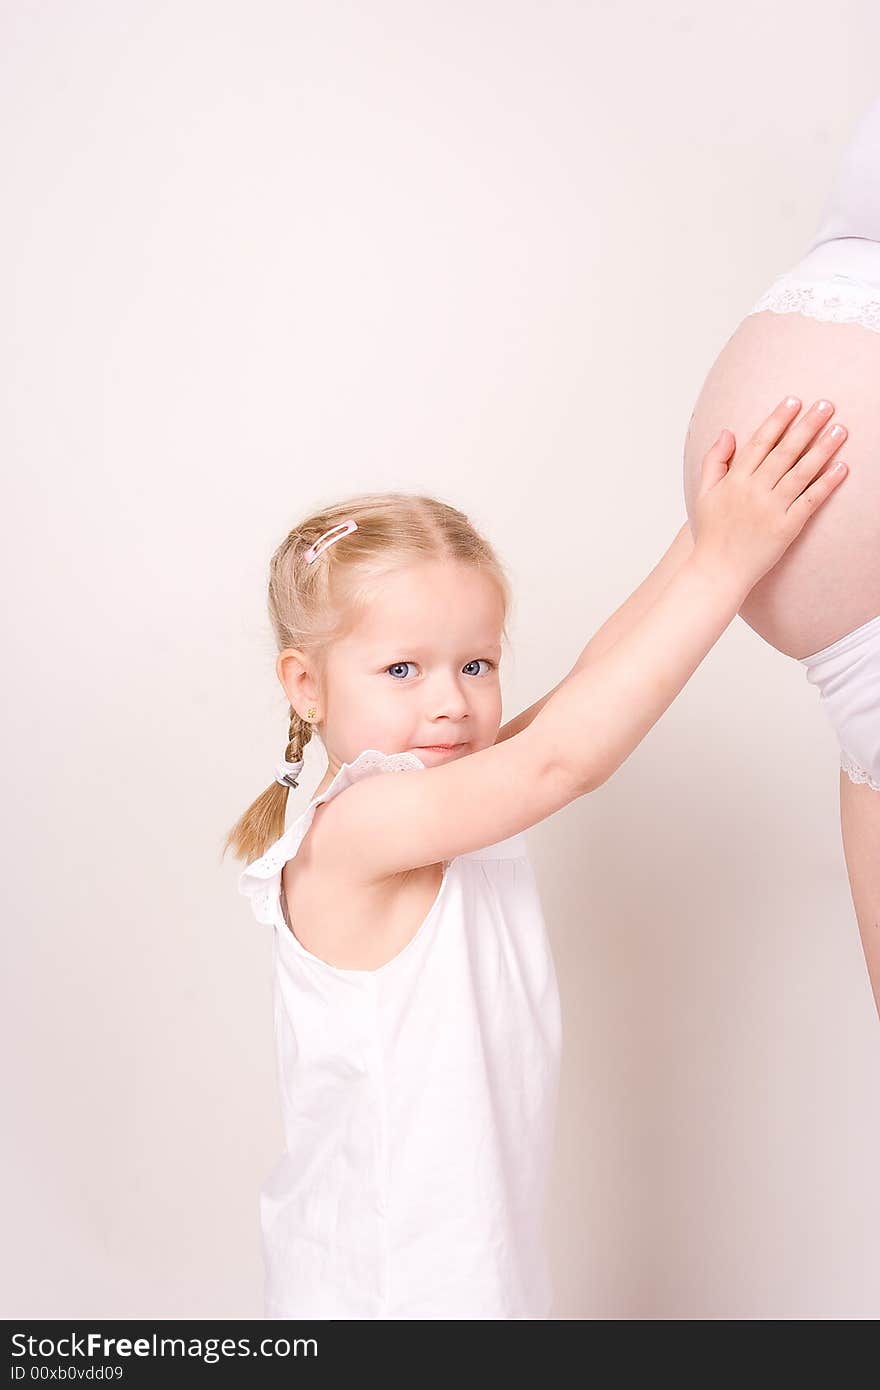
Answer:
(828, 581)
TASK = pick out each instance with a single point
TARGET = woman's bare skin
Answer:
(828, 581)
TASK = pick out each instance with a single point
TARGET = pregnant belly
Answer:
(828, 581)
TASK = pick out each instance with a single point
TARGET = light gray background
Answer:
(258, 256)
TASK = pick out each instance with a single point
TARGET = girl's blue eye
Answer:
(398, 665)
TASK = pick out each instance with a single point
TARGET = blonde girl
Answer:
(417, 1015)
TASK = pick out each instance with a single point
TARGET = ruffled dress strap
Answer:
(261, 880)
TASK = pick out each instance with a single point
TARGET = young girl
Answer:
(416, 1007)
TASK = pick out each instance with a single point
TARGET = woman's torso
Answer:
(828, 581)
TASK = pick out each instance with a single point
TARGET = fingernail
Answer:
(791, 401)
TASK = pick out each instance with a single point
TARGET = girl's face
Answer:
(421, 669)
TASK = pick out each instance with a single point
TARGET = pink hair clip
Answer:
(344, 528)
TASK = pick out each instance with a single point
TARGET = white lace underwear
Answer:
(838, 299)
(857, 774)
(847, 676)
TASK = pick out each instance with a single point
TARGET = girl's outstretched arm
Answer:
(746, 516)
(620, 622)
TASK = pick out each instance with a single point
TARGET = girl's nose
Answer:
(449, 701)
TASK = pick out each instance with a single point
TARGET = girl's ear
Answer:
(294, 674)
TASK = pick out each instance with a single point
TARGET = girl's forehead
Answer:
(456, 634)
(432, 596)
(428, 576)
(450, 635)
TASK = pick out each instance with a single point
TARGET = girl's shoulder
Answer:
(265, 869)
(341, 921)
(345, 924)
(356, 926)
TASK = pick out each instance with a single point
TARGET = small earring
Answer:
(310, 714)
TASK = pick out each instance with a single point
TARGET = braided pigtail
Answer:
(263, 821)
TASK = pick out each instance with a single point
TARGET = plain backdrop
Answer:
(256, 257)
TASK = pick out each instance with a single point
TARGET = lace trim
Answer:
(856, 773)
(261, 880)
(838, 300)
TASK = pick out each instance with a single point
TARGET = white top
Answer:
(418, 1100)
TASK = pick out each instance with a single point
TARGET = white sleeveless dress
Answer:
(418, 1100)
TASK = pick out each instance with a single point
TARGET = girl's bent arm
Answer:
(587, 728)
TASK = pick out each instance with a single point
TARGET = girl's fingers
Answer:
(794, 480)
(803, 507)
(766, 436)
(726, 443)
(716, 461)
(794, 443)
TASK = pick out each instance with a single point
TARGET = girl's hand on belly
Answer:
(749, 510)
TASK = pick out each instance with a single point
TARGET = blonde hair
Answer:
(311, 606)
